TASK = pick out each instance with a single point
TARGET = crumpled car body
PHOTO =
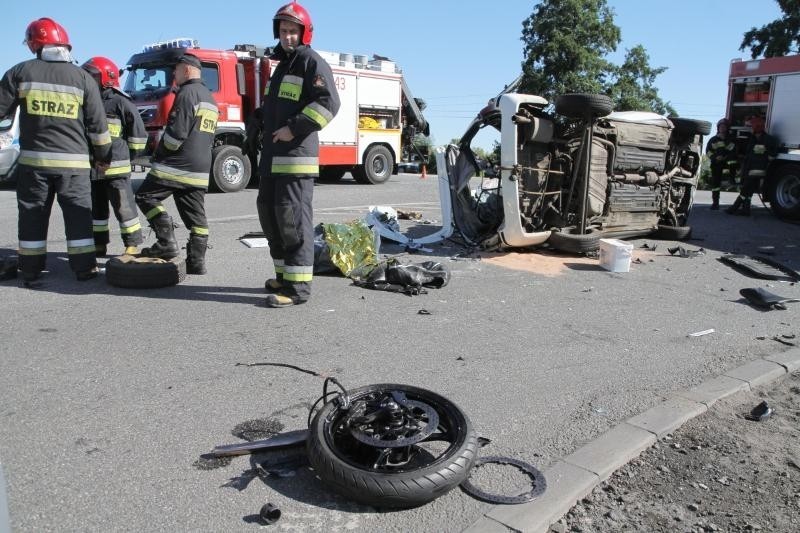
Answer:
(570, 180)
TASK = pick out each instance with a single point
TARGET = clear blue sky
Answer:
(454, 54)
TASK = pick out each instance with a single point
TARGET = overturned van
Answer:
(571, 177)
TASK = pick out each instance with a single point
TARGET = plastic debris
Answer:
(701, 333)
(683, 252)
(763, 299)
(269, 514)
(760, 412)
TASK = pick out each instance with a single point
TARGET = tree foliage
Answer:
(566, 45)
(779, 37)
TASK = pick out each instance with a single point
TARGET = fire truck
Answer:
(770, 87)
(377, 121)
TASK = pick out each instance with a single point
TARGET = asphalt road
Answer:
(109, 396)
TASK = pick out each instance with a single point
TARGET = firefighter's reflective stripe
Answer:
(196, 179)
(53, 159)
(756, 173)
(730, 147)
(295, 165)
(119, 167)
(49, 99)
(208, 115)
(732, 162)
(100, 139)
(127, 227)
(137, 143)
(32, 247)
(291, 88)
(100, 226)
(296, 274)
(80, 246)
(115, 127)
(266, 88)
(717, 145)
(759, 149)
(318, 114)
(279, 266)
(716, 189)
(197, 230)
(170, 142)
(726, 172)
(157, 210)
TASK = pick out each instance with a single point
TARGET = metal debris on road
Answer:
(683, 252)
(701, 333)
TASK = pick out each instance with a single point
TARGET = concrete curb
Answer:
(576, 475)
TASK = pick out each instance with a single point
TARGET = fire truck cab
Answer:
(770, 87)
(378, 118)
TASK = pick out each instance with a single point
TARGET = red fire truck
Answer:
(377, 121)
(770, 87)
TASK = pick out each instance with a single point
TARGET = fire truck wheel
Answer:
(577, 105)
(690, 126)
(377, 168)
(144, 272)
(784, 192)
(230, 169)
(331, 174)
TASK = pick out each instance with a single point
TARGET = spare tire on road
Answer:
(132, 272)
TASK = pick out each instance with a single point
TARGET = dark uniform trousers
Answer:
(189, 201)
(36, 190)
(119, 193)
(286, 214)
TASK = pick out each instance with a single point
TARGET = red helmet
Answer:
(45, 31)
(104, 70)
(296, 13)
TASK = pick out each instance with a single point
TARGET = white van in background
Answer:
(9, 148)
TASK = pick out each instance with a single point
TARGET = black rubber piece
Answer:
(690, 126)
(673, 233)
(537, 478)
(269, 514)
(761, 267)
(577, 105)
(763, 299)
(145, 273)
(345, 464)
(567, 240)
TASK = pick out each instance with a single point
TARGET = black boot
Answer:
(166, 247)
(745, 212)
(736, 205)
(196, 254)
(714, 200)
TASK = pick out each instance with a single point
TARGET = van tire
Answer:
(567, 240)
(690, 126)
(144, 272)
(577, 105)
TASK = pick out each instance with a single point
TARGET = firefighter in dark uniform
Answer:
(180, 167)
(300, 99)
(128, 138)
(761, 149)
(721, 151)
(61, 120)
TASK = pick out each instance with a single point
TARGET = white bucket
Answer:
(615, 255)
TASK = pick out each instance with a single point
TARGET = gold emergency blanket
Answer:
(351, 246)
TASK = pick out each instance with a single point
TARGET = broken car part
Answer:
(288, 438)
(537, 479)
(683, 252)
(269, 514)
(764, 299)
(760, 412)
(761, 267)
(389, 445)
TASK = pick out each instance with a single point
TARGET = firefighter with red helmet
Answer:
(300, 99)
(180, 168)
(721, 151)
(61, 121)
(128, 138)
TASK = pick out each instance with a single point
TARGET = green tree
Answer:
(779, 37)
(566, 42)
(633, 88)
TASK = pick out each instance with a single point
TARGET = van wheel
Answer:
(577, 105)
(377, 167)
(690, 126)
(230, 169)
(673, 233)
(144, 272)
(784, 192)
(569, 240)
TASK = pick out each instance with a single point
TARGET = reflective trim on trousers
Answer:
(196, 230)
(197, 179)
(80, 246)
(32, 247)
(153, 213)
(130, 226)
(53, 159)
(296, 274)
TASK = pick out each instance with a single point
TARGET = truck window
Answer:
(148, 79)
(210, 77)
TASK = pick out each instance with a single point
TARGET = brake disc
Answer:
(370, 433)
(537, 479)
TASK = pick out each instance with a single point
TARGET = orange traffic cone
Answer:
(424, 173)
